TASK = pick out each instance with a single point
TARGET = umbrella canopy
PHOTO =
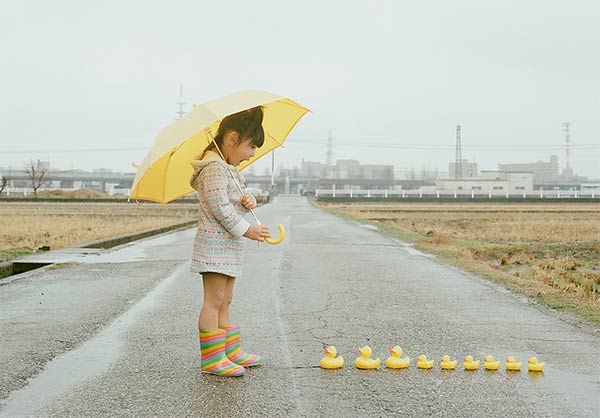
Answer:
(164, 173)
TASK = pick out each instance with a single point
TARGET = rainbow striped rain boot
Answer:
(214, 360)
(234, 351)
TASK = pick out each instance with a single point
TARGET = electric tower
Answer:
(567, 130)
(329, 150)
(458, 159)
(180, 112)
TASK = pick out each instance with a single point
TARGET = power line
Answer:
(363, 144)
(508, 147)
(72, 150)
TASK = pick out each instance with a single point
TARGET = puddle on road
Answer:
(409, 248)
(91, 359)
(412, 251)
(368, 226)
(144, 249)
(581, 389)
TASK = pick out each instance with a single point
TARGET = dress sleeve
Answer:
(214, 181)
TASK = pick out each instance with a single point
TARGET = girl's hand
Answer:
(248, 201)
(257, 233)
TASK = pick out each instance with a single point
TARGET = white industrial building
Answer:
(495, 182)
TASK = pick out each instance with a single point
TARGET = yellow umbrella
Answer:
(165, 172)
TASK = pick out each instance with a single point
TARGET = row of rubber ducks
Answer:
(396, 361)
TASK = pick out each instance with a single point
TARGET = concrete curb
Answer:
(7, 268)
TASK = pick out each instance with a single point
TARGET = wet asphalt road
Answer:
(115, 335)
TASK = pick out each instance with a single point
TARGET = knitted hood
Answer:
(210, 157)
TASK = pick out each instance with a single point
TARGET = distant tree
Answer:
(3, 183)
(412, 174)
(428, 174)
(389, 174)
(37, 175)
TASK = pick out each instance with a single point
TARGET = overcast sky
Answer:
(391, 79)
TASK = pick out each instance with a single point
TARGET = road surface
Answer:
(115, 333)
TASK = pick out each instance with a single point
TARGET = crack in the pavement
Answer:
(284, 332)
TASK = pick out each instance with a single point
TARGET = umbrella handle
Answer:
(276, 240)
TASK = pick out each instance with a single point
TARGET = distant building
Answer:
(490, 182)
(543, 172)
(101, 180)
(347, 170)
(590, 186)
(312, 169)
(547, 174)
(468, 169)
(377, 172)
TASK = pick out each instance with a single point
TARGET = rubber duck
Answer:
(396, 361)
(365, 361)
(470, 364)
(447, 364)
(330, 361)
(534, 365)
(490, 364)
(511, 364)
(423, 362)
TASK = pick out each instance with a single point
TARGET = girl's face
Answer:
(237, 152)
(241, 152)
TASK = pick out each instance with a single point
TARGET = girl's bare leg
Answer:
(214, 295)
(227, 298)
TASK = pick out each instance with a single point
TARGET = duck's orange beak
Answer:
(326, 350)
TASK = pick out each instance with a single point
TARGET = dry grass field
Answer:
(24, 227)
(547, 251)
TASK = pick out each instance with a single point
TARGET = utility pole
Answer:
(272, 194)
(180, 102)
(329, 150)
(458, 158)
(567, 130)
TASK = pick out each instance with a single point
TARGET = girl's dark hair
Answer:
(248, 125)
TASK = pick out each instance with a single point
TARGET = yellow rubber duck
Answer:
(470, 364)
(365, 361)
(396, 361)
(511, 364)
(447, 364)
(490, 364)
(423, 362)
(330, 361)
(534, 365)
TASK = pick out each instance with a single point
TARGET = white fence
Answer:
(446, 194)
(28, 191)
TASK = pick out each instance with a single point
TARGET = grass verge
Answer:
(548, 253)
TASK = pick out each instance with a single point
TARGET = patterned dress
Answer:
(219, 245)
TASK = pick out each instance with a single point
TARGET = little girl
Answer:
(219, 246)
